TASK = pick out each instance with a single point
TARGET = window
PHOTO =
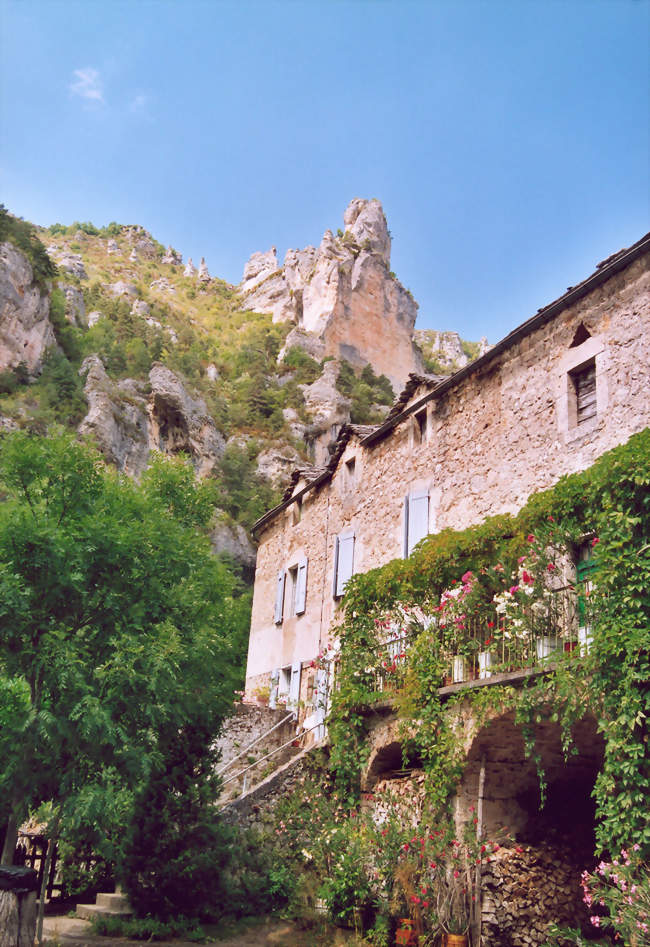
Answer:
(416, 519)
(297, 591)
(420, 426)
(583, 380)
(350, 476)
(343, 562)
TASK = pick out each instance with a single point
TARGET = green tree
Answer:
(115, 623)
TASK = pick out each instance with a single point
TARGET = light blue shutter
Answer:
(344, 562)
(301, 587)
(294, 686)
(279, 597)
(406, 527)
(418, 518)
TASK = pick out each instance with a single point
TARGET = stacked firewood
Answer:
(524, 889)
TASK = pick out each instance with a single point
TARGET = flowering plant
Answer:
(622, 888)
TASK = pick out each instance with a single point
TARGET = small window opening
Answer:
(420, 428)
(296, 512)
(582, 334)
(350, 473)
(584, 386)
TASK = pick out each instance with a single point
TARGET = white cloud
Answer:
(87, 84)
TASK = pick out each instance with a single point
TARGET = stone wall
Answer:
(257, 807)
(493, 437)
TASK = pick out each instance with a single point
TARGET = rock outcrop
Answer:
(230, 539)
(329, 411)
(117, 418)
(448, 349)
(204, 275)
(128, 423)
(75, 307)
(25, 328)
(173, 257)
(123, 289)
(276, 464)
(190, 269)
(342, 294)
(180, 424)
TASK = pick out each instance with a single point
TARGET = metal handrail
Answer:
(254, 743)
(272, 753)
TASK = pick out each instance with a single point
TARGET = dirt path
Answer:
(66, 931)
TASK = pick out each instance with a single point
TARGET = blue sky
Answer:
(508, 139)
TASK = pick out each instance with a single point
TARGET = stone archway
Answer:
(512, 791)
(532, 875)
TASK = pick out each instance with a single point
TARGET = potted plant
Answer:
(485, 658)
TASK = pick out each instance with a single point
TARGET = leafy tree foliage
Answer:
(366, 390)
(115, 622)
(176, 851)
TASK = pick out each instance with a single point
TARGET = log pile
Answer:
(524, 889)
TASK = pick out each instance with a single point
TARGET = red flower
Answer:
(594, 541)
(551, 567)
(456, 873)
(530, 538)
(415, 899)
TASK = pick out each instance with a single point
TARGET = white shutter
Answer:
(279, 597)
(301, 587)
(321, 701)
(294, 686)
(344, 562)
(418, 518)
(275, 684)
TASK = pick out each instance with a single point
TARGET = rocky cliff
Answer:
(446, 352)
(25, 328)
(342, 297)
(151, 354)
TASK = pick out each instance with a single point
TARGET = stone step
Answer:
(114, 902)
(89, 911)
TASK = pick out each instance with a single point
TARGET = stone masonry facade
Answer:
(559, 391)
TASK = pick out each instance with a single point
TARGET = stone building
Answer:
(560, 390)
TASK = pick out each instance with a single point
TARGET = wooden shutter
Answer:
(418, 518)
(344, 562)
(301, 587)
(279, 597)
(585, 383)
(294, 686)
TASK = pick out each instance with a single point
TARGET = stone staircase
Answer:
(116, 905)
(259, 748)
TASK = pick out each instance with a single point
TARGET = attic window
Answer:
(350, 473)
(582, 334)
(420, 426)
(583, 380)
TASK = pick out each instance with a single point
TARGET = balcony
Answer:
(505, 645)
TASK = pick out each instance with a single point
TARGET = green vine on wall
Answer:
(611, 502)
